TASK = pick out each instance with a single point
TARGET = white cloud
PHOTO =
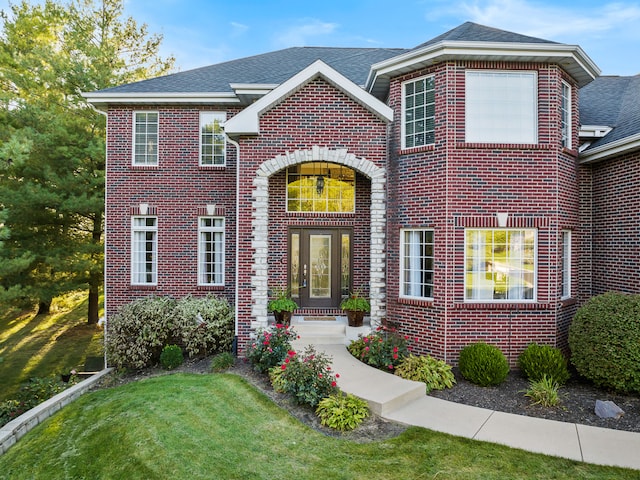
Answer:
(299, 35)
(553, 22)
(238, 29)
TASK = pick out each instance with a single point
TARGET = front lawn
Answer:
(218, 426)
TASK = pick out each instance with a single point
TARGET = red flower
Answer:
(319, 375)
(337, 375)
(333, 384)
(390, 367)
(395, 349)
(286, 360)
(284, 366)
(291, 353)
(395, 356)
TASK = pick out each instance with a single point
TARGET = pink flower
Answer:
(319, 375)
(395, 356)
(365, 339)
(366, 349)
(390, 367)
(337, 375)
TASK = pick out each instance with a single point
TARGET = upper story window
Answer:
(145, 138)
(210, 251)
(418, 112)
(566, 264)
(212, 139)
(501, 107)
(566, 115)
(144, 250)
(416, 264)
(500, 264)
(321, 187)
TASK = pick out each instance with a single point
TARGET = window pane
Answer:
(211, 251)
(501, 107)
(144, 250)
(320, 187)
(500, 264)
(212, 139)
(417, 263)
(419, 112)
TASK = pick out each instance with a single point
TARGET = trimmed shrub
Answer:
(604, 338)
(138, 332)
(483, 364)
(307, 376)
(435, 374)
(537, 361)
(383, 349)
(171, 357)
(342, 412)
(270, 347)
(203, 325)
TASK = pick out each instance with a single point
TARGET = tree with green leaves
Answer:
(52, 143)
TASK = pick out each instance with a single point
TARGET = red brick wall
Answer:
(176, 190)
(616, 238)
(452, 185)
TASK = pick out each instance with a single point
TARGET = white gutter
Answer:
(618, 147)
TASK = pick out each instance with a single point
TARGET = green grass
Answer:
(218, 426)
(41, 345)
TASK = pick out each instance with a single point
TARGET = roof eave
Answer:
(612, 149)
(102, 100)
(571, 57)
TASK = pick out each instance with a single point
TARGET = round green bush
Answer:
(604, 338)
(538, 361)
(171, 357)
(483, 364)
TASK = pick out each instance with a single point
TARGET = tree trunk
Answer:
(44, 307)
(95, 279)
(92, 314)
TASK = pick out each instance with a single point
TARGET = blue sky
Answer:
(203, 32)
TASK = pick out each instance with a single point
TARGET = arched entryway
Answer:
(260, 224)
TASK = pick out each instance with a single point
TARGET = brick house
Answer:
(476, 187)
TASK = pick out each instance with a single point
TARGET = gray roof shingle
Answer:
(614, 102)
(267, 68)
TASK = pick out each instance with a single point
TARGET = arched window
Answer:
(320, 187)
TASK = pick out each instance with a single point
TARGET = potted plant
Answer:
(66, 374)
(282, 305)
(355, 306)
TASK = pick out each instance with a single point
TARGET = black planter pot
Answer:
(283, 318)
(355, 317)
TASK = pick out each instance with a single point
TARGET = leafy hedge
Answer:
(604, 338)
(538, 361)
(483, 364)
(140, 330)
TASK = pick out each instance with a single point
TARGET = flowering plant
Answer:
(307, 376)
(270, 347)
(384, 349)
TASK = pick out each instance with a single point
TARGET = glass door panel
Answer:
(320, 261)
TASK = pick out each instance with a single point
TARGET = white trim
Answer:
(222, 120)
(624, 145)
(103, 99)
(569, 245)
(594, 131)
(571, 57)
(133, 139)
(154, 262)
(403, 232)
(403, 123)
(247, 122)
(569, 113)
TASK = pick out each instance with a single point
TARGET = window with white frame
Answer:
(210, 251)
(501, 107)
(418, 112)
(145, 138)
(566, 264)
(213, 142)
(566, 115)
(416, 263)
(500, 264)
(144, 250)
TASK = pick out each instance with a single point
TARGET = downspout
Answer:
(236, 298)
(104, 264)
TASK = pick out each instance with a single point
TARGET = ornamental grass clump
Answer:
(435, 374)
(384, 349)
(342, 412)
(306, 376)
(270, 347)
(543, 392)
(538, 361)
(483, 364)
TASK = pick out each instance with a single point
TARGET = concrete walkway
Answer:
(405, 401)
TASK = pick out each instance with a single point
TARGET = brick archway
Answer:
(260, 225)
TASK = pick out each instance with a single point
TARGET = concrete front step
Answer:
(383, 391)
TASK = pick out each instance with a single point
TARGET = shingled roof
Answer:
(473, 32)
(614, 102)
(267, 68)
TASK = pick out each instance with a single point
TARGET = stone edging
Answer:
(18, 427)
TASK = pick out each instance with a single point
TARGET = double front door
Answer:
(320, 266)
